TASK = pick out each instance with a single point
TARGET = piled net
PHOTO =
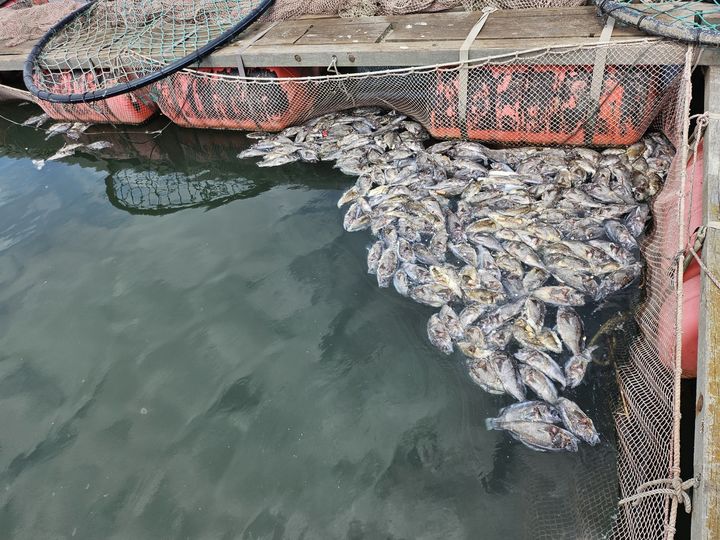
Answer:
(696, 22)
(551, 97)
(21, 24)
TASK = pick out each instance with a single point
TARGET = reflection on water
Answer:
(191, 348)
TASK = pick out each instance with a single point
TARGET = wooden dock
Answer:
(401, 40)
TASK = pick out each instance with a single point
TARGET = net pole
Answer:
(680, 267)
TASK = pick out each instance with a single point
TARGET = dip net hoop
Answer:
(693, 22)
(120, 34)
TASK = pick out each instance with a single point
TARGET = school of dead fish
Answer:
(71, 131)
(505, 243)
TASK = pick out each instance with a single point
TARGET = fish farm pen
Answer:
(516, 166)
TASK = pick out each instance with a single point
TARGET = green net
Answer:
(693, 22)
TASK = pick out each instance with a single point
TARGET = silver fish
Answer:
(451, 321)
(509, 376)
(526, 411)
(534, 312)
(484, 373)
(576, 367)
(431, 295)
(439, 335)
(401, 282)
(543, 363)
(387, 266)
(538, 383)
(577, 422)
(617, 232)
(540, 436)
(559, 295)
(373, 256)
(570, 328)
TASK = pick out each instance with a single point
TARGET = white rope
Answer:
(598, 75)
(672, 487)
(464, 57)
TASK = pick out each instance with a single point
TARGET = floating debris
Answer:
(504, 242)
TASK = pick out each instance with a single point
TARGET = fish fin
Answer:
(491, 423)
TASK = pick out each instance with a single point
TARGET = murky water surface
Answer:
(190, 347)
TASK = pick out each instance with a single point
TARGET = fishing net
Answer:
(108, 48)
(696, 22)
(599, 95)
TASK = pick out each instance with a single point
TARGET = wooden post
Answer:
(706, 497)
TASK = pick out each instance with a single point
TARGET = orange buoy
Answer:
(217, 98)
(546, 104)
(691, 281)
(133, 107)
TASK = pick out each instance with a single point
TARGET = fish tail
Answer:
(491, 423)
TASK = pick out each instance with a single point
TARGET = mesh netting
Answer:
(28, 23)
(122, 36)
(550, 97)
(696, 22)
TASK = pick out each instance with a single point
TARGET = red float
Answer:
(217, 98)
(133, 107)
(546, 104)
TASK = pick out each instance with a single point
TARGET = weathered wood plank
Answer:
(406, 40)
(330, 35)
(706, 497)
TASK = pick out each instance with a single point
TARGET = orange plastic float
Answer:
(133, 107)
(691, 282)
(217, 98)
(546, 104)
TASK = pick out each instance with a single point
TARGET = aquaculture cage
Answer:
(596, 95)
(600, 95)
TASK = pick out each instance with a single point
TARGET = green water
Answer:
(190, 347)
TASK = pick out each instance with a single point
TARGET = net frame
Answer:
(648, 22)
(158, 70)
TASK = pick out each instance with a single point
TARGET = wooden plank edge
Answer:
(706, 497)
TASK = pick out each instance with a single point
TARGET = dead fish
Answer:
(401, 282)
(559, 295)
(387, 265)
(452, 322)
(501, 315)
(570, 328)
(576, 367)
(57, 129)
(577, 422)
(540, 436)
(431, 295)
(485, 374)
(373, 256)
(617, 232)
(508, 376)
(534, 312)
(542, 362)
(355, 219)
(66, 151)
(524, 253)
(499, 337)
(447, 277)
(620, 279)
(538, 383)
(439, 335)
(526, 411)
(471, 313)
(98, 145)
(637, 218)
(36, 121)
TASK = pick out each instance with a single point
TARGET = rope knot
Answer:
(672, 487)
